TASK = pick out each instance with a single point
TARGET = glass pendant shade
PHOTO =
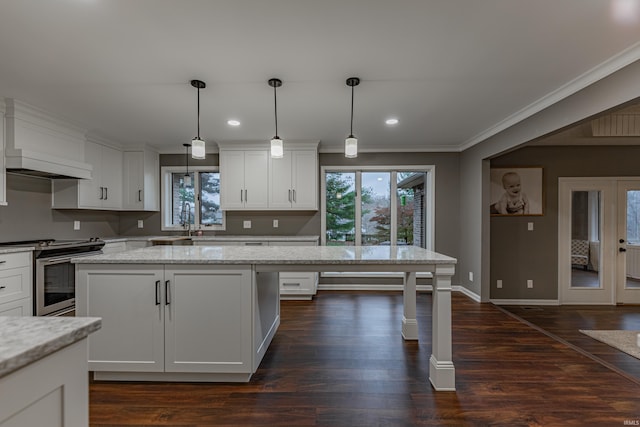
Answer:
(277, 148)
(198, 149)
(351, 147)
(187, 180)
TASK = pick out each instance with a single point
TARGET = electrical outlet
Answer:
(529, 284)
(499, 284)
(275, 223)
(530, 226)
(140, 223)
(471, 276)
(246, 224)
(76, 225)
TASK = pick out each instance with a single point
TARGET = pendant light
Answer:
(186, 181)
(351, 143)
(277, 148)
(197, 144)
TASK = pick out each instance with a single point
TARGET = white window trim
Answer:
(429, 211)
(165, 178)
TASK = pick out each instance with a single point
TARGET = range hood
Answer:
(32, 163)
(38, 144)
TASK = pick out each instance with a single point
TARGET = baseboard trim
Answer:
(525, 301)
(469, 293)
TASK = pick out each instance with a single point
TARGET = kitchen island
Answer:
(43, 371)
(209, 313)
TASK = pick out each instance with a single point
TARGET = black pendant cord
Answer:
(351, 133)
(198, 112)
(186, 157)
(275, 103)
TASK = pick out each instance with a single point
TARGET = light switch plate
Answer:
(530, 226)
(246, 224)
(140, 223)
(275, 223)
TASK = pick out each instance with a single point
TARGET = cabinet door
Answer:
(90, 193)
(280, 189)
(305, 179)
(232, 179)
(132, 197)
(125, 297)
(21, 307)
(256, 179)
(112, 177)
(208, 319)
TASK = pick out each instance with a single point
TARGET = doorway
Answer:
(599, 241)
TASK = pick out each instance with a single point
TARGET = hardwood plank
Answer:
(340, 361)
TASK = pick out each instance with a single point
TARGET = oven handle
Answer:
(65, 258)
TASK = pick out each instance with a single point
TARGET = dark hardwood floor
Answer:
(340, 361)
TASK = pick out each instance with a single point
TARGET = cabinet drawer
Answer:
(15, 284)
(298, 283)
(20, 307)
(15, 260)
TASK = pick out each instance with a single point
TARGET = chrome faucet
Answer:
(186, 216)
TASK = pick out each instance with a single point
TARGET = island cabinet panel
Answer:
(169, 319)
(208, 320)
(128, 299)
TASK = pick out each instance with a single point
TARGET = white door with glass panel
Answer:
(599, 240)
(628, 240)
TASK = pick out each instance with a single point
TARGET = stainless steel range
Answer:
(54, 287)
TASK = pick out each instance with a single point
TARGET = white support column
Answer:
(409, 321)
(441, 370)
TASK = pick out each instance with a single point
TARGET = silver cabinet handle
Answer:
(167, 290)
(294, 196)
(241, 199)
(139, 195)
(106, 193)
(246, 199)
(290, 284)
(289, 195)
(3, 287)
(101, 193)
(3, 261)
(157, 292)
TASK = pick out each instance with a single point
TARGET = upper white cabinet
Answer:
(293, 180)
(140, 188)
(244, 179)
(251, 180)
(102, 191)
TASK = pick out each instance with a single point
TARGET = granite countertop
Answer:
(14, 249)
(308, 255)
(239, 238)
(24, 340)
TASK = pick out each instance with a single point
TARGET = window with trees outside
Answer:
(193, 203)
(377, 206)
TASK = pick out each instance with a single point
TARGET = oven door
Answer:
(55, 285)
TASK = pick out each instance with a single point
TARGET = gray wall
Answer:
(29, 215)
(616, 89)
(518, 254)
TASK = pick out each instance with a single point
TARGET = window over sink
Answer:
(191, 203)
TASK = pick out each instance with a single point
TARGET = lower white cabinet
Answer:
(183, 319)
(52, 391)
(16, 285)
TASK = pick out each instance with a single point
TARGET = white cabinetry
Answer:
(102, 191)
(16, 284)
(293, 180)
(243, 179)
(171, 319)
(297, 285)
(140, 189)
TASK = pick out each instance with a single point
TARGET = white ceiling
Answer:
(452, 71)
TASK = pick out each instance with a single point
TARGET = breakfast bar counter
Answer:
(213, 310)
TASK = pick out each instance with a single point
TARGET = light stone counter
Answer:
(388, 256)
(24, 340)
(10, 250)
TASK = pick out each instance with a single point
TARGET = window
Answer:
(378, 206)
(195, 206)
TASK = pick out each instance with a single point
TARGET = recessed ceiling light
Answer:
(233, 122)
(391, 121)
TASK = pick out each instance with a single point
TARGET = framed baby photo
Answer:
(516, 191)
